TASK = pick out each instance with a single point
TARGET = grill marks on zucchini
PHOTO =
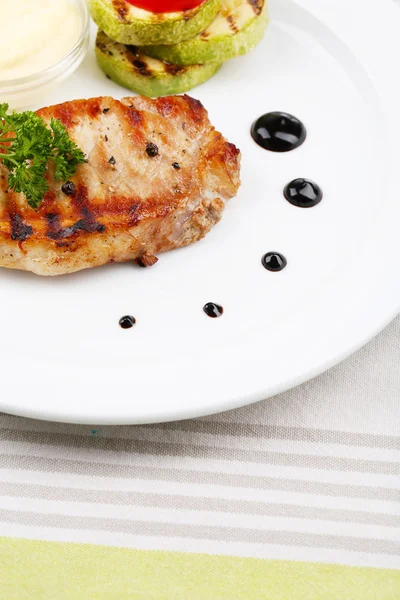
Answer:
(139, 65)
(237, 29)
(232, 23)
(142, 67)
(121, 8)
(130, 67)
(128, 24)
(175, 69)
(256, 5)
(186, 58)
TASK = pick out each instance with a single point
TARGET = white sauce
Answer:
(35, 35)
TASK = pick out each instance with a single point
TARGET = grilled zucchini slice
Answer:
(237, 29)
(129, 67)
(131, 25)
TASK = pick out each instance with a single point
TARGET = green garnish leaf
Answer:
(27, 145)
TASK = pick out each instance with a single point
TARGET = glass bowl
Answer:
(31, 90)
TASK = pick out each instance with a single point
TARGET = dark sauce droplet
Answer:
(213, 310)
(127, 322)
(274, 261)
(303, 192)
(278, 132)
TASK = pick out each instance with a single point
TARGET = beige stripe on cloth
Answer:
(199, 503)
(90, 469)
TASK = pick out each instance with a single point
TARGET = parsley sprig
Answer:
(27, 145)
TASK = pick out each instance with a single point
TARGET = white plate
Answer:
(333, 64)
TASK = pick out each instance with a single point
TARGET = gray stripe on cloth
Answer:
(55, 465)
(279, 432)
(144, 447)
(195, 503)
(201, 532)
(235, 429)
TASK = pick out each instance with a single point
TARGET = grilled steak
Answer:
(157, 178)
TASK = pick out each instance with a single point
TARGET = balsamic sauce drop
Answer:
(127, 322)
(213, 310)
(303, 193)
(278, 132)
(274, 261)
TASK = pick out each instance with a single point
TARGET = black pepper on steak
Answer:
(68, 188)
(152, 150)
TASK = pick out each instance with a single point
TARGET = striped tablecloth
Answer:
(296, 497)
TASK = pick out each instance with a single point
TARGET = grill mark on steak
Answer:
(19, 230)
(94, 108)
(196, 107)
(134, 214)
(49, 197)
(87, 225)
(64, 114)
(141, 205)
(164, 105)
(53, 225)
(80, 198)
(135, 116)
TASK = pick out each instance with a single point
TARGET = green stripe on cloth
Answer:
(38, 570)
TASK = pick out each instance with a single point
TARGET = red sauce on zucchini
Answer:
(166, 6)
